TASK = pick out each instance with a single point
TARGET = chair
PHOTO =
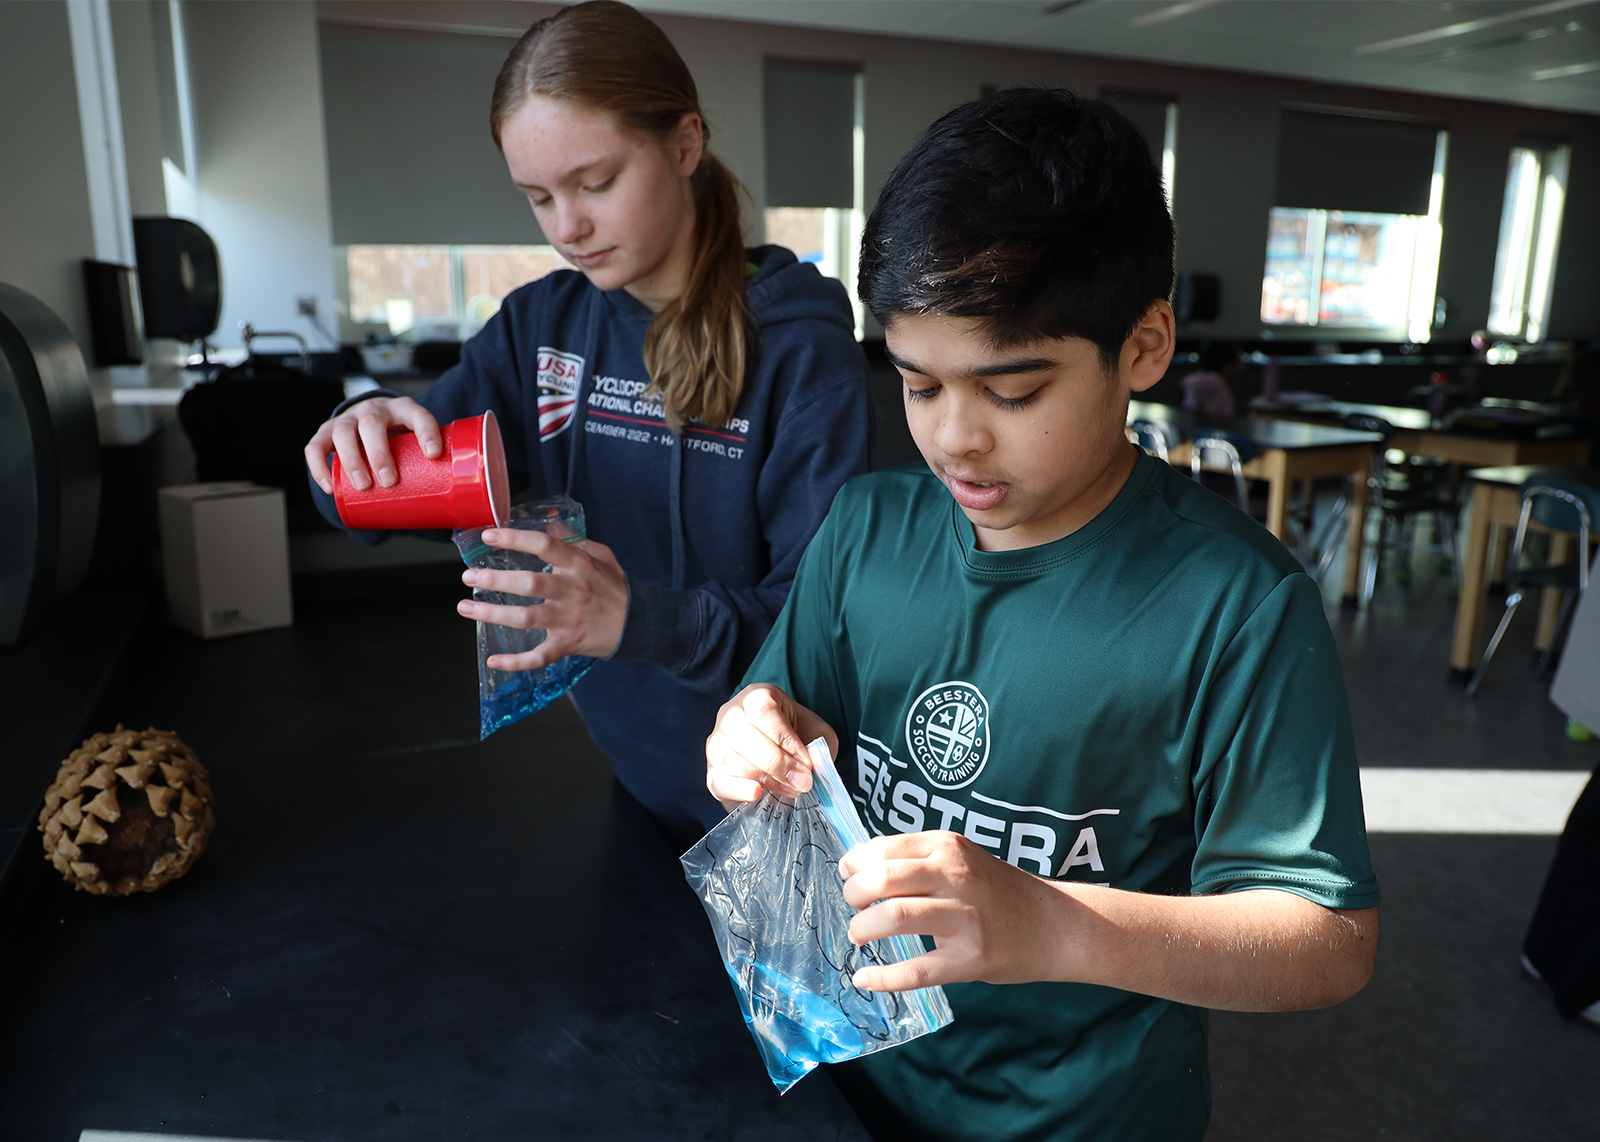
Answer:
(1217, 450)
(1565, 506)
(1152, 437)
(1400, 492)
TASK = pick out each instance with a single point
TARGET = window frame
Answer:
(1525, 265)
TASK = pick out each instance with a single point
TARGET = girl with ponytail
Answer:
(702, 400)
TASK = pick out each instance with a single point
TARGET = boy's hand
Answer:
(585, 595)
(985, 916)
(759, 745)
(361, 434)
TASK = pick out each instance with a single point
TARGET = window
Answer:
(438, 291)
(815, 162)
(1350, 269)
(1530, 232)
(1373, 263)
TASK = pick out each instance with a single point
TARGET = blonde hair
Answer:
(608, 56)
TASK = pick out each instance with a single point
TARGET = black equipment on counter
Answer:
(116, 322)
(180, 278)
(252, 423)
(49, 464)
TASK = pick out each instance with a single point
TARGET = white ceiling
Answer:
(1543, 53)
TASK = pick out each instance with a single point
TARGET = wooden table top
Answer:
(1288, 435)
(1474, 420)
(1515, 475)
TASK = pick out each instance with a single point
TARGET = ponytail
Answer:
(608, 56)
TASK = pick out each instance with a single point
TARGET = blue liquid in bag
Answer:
(506, 696)
(794, 1027)
(527, 691)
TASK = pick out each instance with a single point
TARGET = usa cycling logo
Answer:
(559, 376)
(947, 731)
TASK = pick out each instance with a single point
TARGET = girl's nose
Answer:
(568, 226)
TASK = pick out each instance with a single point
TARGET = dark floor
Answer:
(1449, 1041)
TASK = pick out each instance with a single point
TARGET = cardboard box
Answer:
(225, 549)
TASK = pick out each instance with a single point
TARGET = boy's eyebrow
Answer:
(1015, 367)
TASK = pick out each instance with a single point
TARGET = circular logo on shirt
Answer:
(947, 732)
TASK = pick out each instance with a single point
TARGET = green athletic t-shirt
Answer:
(1153, 702)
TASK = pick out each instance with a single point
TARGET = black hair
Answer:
(1037, 211)
(1218, 355)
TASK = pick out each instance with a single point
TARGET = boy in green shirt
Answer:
(1092, 712)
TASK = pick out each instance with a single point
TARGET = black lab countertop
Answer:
(397, 932)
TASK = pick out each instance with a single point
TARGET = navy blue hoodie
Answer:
(709, 525)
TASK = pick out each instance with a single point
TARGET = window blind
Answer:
(810, 117)
(410, 158)
(1148, 110)
(1329, 161)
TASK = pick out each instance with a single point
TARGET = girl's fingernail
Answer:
(431, 449)
(386, 477)
(360, 480)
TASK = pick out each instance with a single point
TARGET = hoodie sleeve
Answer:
(488, 379)
(706, 637)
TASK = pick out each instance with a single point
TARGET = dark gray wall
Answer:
(1226, 153)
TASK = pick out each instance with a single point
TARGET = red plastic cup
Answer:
(466, 487)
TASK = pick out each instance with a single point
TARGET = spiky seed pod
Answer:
(127, 812)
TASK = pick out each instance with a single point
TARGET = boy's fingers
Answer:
(882, 880)
(891, 846)
(731, 789)
(374, 428)
(789, 759)
(927, 970)
(347, 443)
(729, 777)
(907, 916)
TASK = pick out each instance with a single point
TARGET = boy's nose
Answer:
(959, 435)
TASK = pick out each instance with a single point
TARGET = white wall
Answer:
(46, 225)
(263, 173)
(1227, 138)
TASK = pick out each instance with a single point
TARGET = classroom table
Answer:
(1496, 502)
(1287, 451)
(1536, 442)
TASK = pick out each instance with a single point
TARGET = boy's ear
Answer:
(1148, 350)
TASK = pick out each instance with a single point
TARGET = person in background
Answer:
(1092, 713)
(701, 400)
(1207, 390)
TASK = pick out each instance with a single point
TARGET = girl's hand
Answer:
(759, 745)
(361, 434)
(585, 595)
(985, 916)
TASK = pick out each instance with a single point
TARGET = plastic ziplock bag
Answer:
(506, 696)
(769, 879)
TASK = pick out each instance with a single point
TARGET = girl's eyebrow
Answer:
(574, 175)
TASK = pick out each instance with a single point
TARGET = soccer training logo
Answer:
(947, 731)
(558, 378)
